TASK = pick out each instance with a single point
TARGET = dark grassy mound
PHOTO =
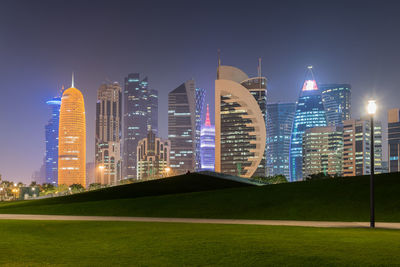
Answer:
(341, 199)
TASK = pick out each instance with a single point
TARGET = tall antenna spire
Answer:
(208, 123)
(72, 83)
(259, 67)
(219, 63)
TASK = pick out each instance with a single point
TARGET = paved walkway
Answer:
(192, 220)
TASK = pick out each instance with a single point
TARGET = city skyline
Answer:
(284, 59)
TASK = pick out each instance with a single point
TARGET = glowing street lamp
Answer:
(371, 108)
(167, 170)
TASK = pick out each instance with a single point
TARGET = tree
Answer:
(318, 176)
(76, 188)
(276, 179)
(94, 186)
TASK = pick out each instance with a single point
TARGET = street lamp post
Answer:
(371, 112)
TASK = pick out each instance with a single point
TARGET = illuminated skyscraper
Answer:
(200, 97)
(51, 128)
(357, 147)
(279, 129)
(72, 138)
(182, 127)
(394, 140)
(240, 132)
(140, 115)
(207, 145)
(309, 113)
(337, 102)
(108, 134)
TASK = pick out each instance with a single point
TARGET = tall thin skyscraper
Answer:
(337, 102)
(182, 127)
(207, 145)
(200, 97)
(72, 138)
(51, 158)
(279, 129)
(140, 115)
(309, 113)
(394, 140)
(240, 132)
(108, 134)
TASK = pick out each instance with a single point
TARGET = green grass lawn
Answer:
(39, 243)
(344, 199)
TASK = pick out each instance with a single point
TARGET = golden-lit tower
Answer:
(72, 138)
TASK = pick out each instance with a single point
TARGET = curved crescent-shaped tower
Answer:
(72, 139)
(240, 132)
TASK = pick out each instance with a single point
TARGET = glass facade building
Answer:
(140, 115)
(207, 144)
(51, 132)
(279, 129)
(337, 102)
(182, 127)
(108, 134)
(200, 98)
(394, 140)
(309, 113)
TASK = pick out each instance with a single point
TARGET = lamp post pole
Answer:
(371, 180)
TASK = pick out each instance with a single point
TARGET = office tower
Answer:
(152, 157)
(207, 144)
(394, 140)
(200, 97)
(72, 138)
(51, 129)
(40, 176)
(240, 132)
(309, 113)
(323, 151)
(357, 144)
(279, 129)
(108, 134)
(182, 127)
(140, 115)
(337, 102)
(90, 173)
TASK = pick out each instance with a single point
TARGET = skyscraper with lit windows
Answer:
(394, 140)
(51, 130)
(337, 102)
(140, 115)
(200, 97)
(309, 113)
(108, 134)
(72, 138)
(207, 145)
(279, 129)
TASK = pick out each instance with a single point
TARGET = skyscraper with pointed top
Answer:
(207, 144)
(72, 138)
(309, 113)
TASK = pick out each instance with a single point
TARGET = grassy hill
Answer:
(341, 199)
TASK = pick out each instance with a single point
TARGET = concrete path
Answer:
(192, 220)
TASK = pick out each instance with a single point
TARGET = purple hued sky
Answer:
(43, 42)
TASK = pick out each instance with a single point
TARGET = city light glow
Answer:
(371, 107)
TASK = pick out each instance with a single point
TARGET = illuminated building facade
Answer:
(152, 157)
(140, 115)
(72, 139)
(108, 134)
(337, 102)
(200, 97)
(394, 140)
(182, 127)
(51, 128)
(323, 151)
(279, 129)
(207, 145)
(309, 113)
(357, 147)
(240, 132)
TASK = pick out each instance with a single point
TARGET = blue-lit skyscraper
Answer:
(51, 157)
(309, 113)
(337, 102)
(279, 129)
(200, 97)
(207, 145)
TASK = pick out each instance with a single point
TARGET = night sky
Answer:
(43, 42)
